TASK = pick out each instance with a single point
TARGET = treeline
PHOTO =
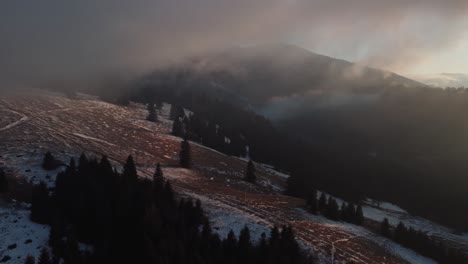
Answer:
(329, 208)
(199, 129)
(423, 244)
(400, 148)
(128, 219)
(337, 150)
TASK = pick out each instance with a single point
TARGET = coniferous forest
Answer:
(231, 129)
(128, 219)
(422, 243)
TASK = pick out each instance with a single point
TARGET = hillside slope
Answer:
(39, 122)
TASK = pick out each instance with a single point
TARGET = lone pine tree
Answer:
(152, 115)
(177, 128)
(184, 154)
(49, 162)
(250, 172)
(312, 201)
(385, 228)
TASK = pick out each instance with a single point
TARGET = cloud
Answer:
(63, 40)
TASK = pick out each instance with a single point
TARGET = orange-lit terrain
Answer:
(32, 124)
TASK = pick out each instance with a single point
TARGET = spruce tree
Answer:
(400, 233)
(230, 243)
(333, 209)
(176, 112)
(158, 179)
(152, 115)
(322, 203)
(184, 154)
(49, 162)
(244, 241)
(130, 172)
(385, 228)
(250, 172)
(177, 128)
(312, 201)
(3, 182)
(359, 215)
(158, 173)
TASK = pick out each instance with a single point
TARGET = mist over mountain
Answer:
(278, 79)
(444, 80)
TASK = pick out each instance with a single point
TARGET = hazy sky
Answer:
(71, 39)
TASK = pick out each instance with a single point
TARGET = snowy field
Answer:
(19, 235)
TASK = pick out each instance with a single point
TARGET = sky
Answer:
(56, 39)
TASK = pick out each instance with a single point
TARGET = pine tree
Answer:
(244, 238)
(152, 115)
(177, 128)
(184, 154)
(105, 167)
(3, 182)
(72, 166)
(44, 258)
(385, 228)
(312, 201)
(49, 162)
(159, 104)
(230, 243)
(250, 172)
(158, 173)
(130, 172)
(400, 233)
(322, 203)
(359, 215)
(333, 209)
(176, 112)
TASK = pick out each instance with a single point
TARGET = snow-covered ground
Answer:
(224, 218)
(394, 214)
(19, 235)
(361, 232)
(28, 164)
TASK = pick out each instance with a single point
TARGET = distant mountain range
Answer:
(444, 79)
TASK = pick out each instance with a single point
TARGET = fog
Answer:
(84, 41)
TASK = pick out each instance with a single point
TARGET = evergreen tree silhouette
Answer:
(49, 162)
(322, 203)
(152, 115)
(177, 128)
(312, 201)
(3, 182)
(359, 215)
(176, 112)
(130, 172)
(250, 172)
(158, 174)
(385, 228)
(184, 154)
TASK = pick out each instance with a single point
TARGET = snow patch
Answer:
(20, 236)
